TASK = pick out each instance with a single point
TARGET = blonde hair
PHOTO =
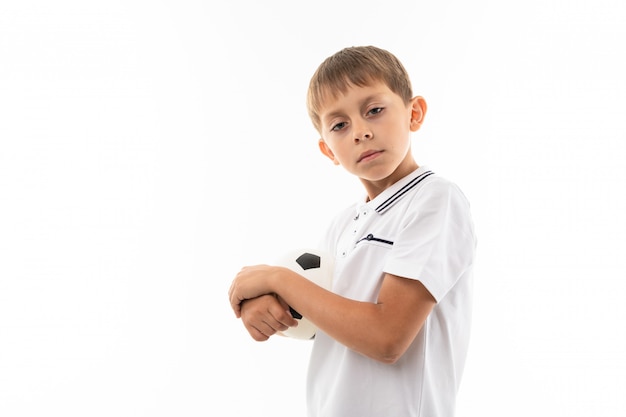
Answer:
(359, 66)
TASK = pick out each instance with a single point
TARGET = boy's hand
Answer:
(251, 282)
(265, 316)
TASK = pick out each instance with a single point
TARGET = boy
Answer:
(393, 332)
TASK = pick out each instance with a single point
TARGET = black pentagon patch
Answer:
(308, 261)
(295, 314)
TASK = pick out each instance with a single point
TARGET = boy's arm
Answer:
(382, 330)
(394, 320)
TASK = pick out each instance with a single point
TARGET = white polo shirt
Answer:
(419, 228)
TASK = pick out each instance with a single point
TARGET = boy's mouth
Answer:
(368, 155)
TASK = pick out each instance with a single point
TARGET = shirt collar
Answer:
(385, 200)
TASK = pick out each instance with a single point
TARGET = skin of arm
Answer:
(381, 331)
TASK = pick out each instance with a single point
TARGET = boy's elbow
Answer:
(389, 359)
(390, 351)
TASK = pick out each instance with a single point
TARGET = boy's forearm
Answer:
(381, 331)
(361, 326)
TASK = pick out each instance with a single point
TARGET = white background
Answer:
(149, 149)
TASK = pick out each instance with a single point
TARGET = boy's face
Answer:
(367, 131)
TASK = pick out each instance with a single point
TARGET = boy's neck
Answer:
(374, 188)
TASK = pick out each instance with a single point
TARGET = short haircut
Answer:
(359, 66)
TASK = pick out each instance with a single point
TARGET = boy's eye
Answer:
(375, 110)
(338, 126)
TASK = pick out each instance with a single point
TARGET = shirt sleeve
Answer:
(437, 243)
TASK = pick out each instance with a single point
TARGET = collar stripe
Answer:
(385, 205)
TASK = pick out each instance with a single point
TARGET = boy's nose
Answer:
(362, 132)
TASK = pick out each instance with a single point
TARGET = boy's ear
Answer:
(418, 111)
(326, 151)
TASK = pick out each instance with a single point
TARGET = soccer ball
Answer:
(316, 266)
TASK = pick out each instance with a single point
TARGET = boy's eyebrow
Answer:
(331, 115)
(334, 113)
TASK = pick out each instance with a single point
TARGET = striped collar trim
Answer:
(395, 197)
